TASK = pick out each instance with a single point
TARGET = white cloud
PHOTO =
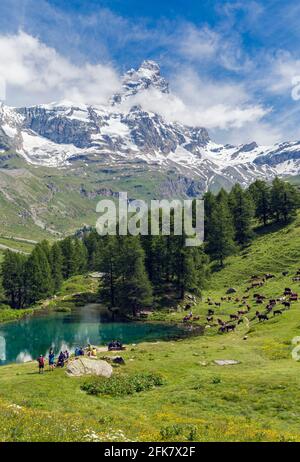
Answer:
(205, 45)
(282, 71)
(198, 43)
(36, 73)
(262, 132)
(202, 102)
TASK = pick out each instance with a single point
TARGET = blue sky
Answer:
(232, 64)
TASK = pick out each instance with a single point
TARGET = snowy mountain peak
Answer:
(136, 80)
(151, 66)
(66, 133)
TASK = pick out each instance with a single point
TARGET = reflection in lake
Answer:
(25, 340)
(2, 348)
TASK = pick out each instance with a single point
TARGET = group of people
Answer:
(63, 358)
(115, 345)
(79, 351)
(91, 351)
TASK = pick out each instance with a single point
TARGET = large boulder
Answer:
(226, 362)
(85, 366)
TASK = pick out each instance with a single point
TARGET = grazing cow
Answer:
(218, 304)
(240, 321)
(285, 273)
(187, 307)
(277, 312)
(210, 312)
(257, 284)
(293, 297)
(261, 316)
(262, 297)
(272, 301)
(287, 305)
(269, 308)
(234, 317)
(241, 312)
(210, 318)
(296, 279)
(196, 318)
(269, 276)
(222, 329)
(259, 301)
(230, 327)
(287, 291)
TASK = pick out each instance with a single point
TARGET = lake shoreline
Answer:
(21, 340)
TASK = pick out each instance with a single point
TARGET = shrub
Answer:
(186, 432)
(170, 431)
(216, 380)
(121, 385)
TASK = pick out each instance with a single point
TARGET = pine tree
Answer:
(242, 209)
(13, 278)
(209, 204)
(38, 277)
(56, 264)
(109, 265)
(69, 257)
(277, 197)
(80, 257)
(220, 242)
(92, 242)
(261, 195)
(45, 247)
(290, 202)
(134, 289)
(191, 268)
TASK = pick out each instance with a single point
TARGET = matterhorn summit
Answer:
(147, 76)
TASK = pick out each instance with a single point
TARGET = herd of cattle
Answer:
(273, 306)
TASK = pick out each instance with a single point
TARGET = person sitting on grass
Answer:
(90, 350)
(115, 345)
(61, 360)
(77, 352)
(51, 358)
(66, 356)
(81, 351)
(41, 363)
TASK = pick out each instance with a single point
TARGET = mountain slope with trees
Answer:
(137, 268)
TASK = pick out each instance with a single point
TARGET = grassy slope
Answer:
(255, 400)
(39, 202)
(76, 290)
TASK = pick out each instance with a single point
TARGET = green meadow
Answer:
(257, 399)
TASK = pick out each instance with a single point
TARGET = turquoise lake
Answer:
(26, 339)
